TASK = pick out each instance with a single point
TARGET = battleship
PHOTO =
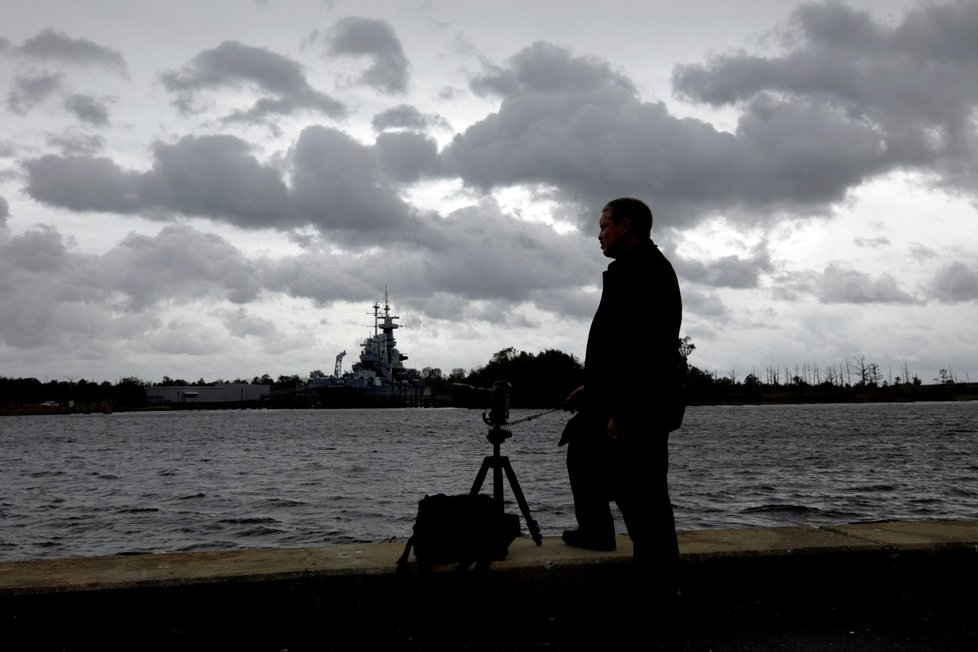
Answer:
(378, 379)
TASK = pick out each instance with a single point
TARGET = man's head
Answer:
(624, 223)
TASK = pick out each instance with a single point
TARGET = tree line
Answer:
(541, 380)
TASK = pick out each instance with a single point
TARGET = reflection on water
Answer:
(160, 482)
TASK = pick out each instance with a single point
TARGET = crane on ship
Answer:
(338, 369)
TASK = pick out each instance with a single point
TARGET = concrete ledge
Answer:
(346, 590)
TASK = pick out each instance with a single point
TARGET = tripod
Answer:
(499, 463)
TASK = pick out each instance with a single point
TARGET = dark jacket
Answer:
(632, 366)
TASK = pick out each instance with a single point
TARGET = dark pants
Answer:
(633, 473)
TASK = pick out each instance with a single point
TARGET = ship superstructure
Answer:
(380, 374)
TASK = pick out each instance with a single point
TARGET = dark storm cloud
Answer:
(405, 116)
(51, 46)
(218, 177)
(848, 101)
(375, 39)
(955, 283)
(209, 176)
(31, 89)
(83, 183)
(906, 92)
(233, 65)
(407, 157)
(88, 109)
(576, 125)
(336, 184)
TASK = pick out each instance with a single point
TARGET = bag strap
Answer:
(402, 560)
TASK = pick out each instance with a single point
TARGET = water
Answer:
(81, 485)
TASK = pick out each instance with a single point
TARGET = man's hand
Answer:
(574, 400)
(614, 433)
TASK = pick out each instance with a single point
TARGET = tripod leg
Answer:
(531, 524)
(481, 475)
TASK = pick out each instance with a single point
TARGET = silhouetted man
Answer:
(630, 401)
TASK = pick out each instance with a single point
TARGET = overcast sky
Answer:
(222, 189)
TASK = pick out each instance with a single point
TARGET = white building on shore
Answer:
(229, 393)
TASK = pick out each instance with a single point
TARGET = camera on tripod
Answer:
(498, 414)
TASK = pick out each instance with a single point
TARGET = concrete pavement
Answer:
(869, 586)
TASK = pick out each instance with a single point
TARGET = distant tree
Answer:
(458, 375)
(287, 382)
(542, 380)
(170, 382)
(432, 374)
(129, 392)
(21, 391)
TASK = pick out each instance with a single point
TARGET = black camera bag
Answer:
(465, 528)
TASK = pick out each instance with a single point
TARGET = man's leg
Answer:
(587, 470)
(643, 498)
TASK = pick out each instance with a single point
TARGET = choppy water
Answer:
(99, 484)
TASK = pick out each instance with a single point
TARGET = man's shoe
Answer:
(578, 540)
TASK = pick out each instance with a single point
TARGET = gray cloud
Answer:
(728, 271)
(879, 241)
(574, 124)
(707, 305)
(906, 92)
(78, 301)
(208, 176)
(52, 290)
(407, 157)
(265, 333)
(492, 264)
(838, 284)
(83, 183)
(487, 263)
(376, 39)
(849, 101)
(88, 109)
(194, 264)
(336, 184)
(955, 283)
(218, 177)
(405, 116)
(73, 143)
(233, 64)
(4, 212)
(30, 90)
(50, 45)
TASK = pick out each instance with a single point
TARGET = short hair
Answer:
(635, 210)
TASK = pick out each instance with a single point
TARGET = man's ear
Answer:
(626, 225)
